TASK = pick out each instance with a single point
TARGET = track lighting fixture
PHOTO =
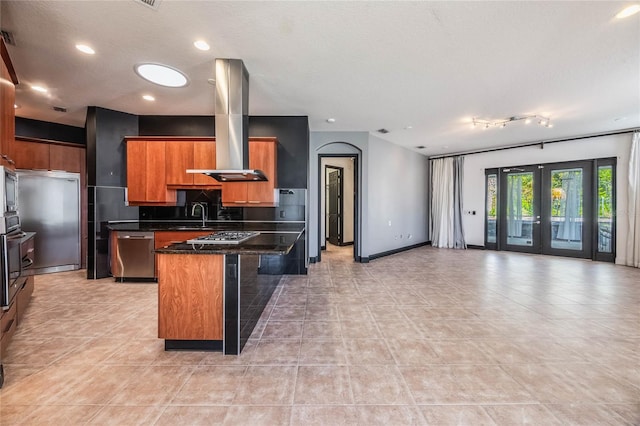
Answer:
(502, 123)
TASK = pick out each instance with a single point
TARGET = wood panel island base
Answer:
(211, 297)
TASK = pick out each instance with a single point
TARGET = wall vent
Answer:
(153, 4)
(8, 37)
(59, 109)
(383, 131)
(420, 147)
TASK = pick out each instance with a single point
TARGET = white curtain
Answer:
(446, 203)
(633, 236)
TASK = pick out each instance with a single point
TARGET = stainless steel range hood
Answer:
(232, 122)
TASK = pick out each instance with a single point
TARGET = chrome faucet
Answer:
(203, 211)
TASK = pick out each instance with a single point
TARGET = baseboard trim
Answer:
(395, 251)
(346, 244)
(313, 259)
(323, 247)
(475, 247)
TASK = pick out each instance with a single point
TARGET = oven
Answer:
(10, 266)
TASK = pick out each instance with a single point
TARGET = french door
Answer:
(563, 209)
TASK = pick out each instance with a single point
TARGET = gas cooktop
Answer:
(224, 237)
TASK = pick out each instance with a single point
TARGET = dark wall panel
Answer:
(176, 125)
(293, 147)
(106, 130)
(29, 128)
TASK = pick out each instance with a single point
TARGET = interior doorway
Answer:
(338, 203)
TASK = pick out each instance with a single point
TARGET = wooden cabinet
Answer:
(190, 296)
(191, 153)
(262, 156)
(146, 173)
(31, 155)
(8, 80)
(8, 324)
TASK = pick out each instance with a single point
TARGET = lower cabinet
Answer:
(190, 297)
(8, 324)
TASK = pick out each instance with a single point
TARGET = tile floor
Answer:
(429, 336)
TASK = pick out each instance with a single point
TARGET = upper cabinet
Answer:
(156, 168)
(191, 153)
(146, 173)
(262, 156)
(8, 80)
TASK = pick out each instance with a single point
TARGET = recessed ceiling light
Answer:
(39, 89)
(201, 45)
(331, 120)
(148, 98)
(162, 75)
(408, 127)
(211, 81)
(16, 106)
(85, 49)
(628, 11)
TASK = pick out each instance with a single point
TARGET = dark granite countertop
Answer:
(266, 243)
(210, 225)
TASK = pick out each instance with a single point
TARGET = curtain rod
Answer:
(541, 143)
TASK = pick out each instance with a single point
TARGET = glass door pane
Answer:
(566, 213)
(520, 213)
(492, 208)
(605, 209)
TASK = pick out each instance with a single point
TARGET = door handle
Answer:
(537, 222)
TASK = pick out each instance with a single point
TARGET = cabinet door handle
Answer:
(254, 202)
(240, 202)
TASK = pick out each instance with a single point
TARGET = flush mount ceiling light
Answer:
(148, 98)
(39, 89)
(161, 75)
(331, 120)
(201, 45)
(502, 123)
(628, 11)
(85, 49)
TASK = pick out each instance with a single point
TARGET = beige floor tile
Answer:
(379, 384)
(266, 385)
(118, 415)
(283, 330)
(463, 384)
(322, 415)
(323, 385)
(191, 415)
(60, 415)
(367, 352)
(322, 330)
(322, 351)
(210, 385)
(456, 415)
(276, 352)
(360, 328)
(522, 414)
(257, 415)
(587, 414)
(389, 415)
(157, 386)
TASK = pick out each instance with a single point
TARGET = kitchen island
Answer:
(210, 296)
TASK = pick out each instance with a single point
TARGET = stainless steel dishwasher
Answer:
(135, 259)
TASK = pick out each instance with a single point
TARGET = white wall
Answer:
(606, 146)
(398, 197)
(392, 187)
(348, 201)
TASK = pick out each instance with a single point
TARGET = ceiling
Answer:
(421, 70)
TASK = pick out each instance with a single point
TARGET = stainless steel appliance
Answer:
(9, 190)
(135, 258)
(49, 204)
(10, 266)
(224, 237)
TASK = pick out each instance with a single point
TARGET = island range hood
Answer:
(232, 123)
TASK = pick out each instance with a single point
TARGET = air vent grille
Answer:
(153, 4)
(8, 37)
(383, 131)
(59, 109)
(420, 147)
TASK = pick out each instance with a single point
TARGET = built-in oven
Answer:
(10, 266)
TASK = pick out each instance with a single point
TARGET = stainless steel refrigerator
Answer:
(49, 205)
